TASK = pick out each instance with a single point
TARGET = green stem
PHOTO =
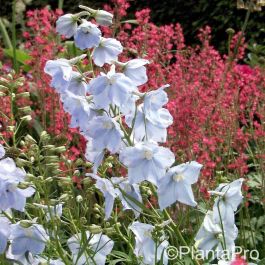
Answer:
(14, 38)
(60, 4)
(177, 231)
(6, 38)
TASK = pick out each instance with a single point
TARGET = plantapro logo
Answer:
(182, 252)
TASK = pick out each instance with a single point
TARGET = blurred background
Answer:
(191, 14)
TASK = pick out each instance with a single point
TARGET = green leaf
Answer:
(22, 56)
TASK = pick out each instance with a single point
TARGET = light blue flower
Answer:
(145, 129)
(109, 193)
(153, 101)
(229, 197)
(146, 161)
(94, 154)
(210, 236)
(25, 259)
(60, 70)
(107, 51)
(128, 191)
(51, 211)
(9, 170)
(113, 88)
(105, 132)
(11, 196)
(93, 251)
(103, 17)
(23, 239)
(56, 262)
(75, 85)
(66, 25)
(79, 108)
(2, 151)
(136, 71)
(87, 35)
(5, 230)
(145, 247)
(176, 185)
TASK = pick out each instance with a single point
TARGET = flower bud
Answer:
(94, 229)
(64, 197)
(60, 149)
(26, 118)
(79, 198)
(103, 17)
(25, 223)
(23, 95)
(29, 139)
(230, 31)
(26, 109)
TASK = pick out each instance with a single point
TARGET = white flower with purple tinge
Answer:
(66, 25)
(51, 211)
(112, 88)
(146, 161)
(107, 51)
(79, 108)
(76, 85)
(103, 17)
(105, 132)
(153, 102)
(126, 192)
(26, 259)
(11, 196)
(94, 154)
(229, 197)
(109, 193)
(211, 236)
(60, 70)
(87, 35)
(32, 238)
(176, 184)
(144, 128)
(93, 251)
(5, 230)
(135, 69)
(145, 247)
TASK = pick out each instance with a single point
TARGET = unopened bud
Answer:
(60, 149)
(94, 229)
(230, 31)
(26, 118)
(23, 95)
(30, 139)
(79, 198)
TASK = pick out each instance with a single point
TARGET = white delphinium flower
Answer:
(87, 35)
(93, 251)
(229, 197)
(109, 193)
(145, 246)
(105, 132)
(107, 51)
(213, 236)
(112, 88)
(135, 69)
(146, 161)
(127, 191)
(66, 25)
(176, 185)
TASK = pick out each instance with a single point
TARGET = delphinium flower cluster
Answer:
(228, 94)
(126, 135)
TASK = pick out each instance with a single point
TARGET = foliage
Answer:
(218, 109)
